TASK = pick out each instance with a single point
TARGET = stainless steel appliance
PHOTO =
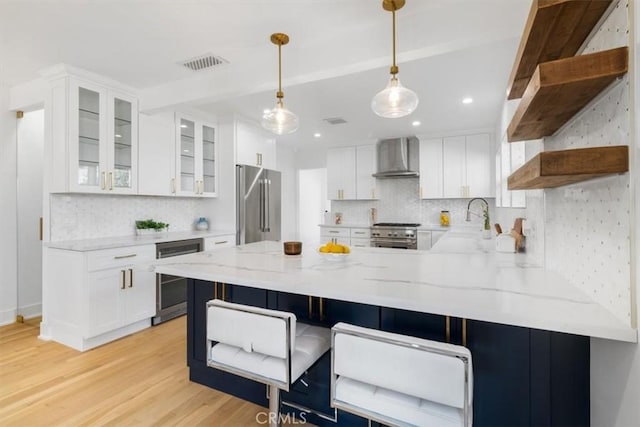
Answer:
(258, 201)
(394, 235)
(398, 158)
(171, 291)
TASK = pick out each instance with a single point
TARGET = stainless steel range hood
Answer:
(398, 158)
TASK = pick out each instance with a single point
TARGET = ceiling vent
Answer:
(335, 120)
(204, 62)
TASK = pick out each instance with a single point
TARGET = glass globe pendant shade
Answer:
(394, 101)
(279, 120)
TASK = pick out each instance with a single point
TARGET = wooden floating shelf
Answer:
(559, 89)
(551, 169)
(555, 29)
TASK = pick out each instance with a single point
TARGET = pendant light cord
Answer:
(394, 67)
(280, 94)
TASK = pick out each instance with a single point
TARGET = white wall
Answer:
(615, 367)
(30, 150)
(312, 202)
(285, 163)
(8, 225)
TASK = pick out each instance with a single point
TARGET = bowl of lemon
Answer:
(334, 251)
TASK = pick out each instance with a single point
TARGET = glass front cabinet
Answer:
(196, 169)
(102, 129)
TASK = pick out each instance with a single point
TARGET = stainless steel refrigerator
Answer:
(258, 204)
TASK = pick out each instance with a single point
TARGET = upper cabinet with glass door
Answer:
(196, 168)
(94, 137)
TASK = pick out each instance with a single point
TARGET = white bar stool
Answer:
(400, 380)
(263, 345)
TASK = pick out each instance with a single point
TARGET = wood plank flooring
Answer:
(140, 380)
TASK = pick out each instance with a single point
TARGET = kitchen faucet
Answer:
(487, 225)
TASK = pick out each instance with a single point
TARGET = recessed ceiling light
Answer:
(317, 135)
(266, 111)
(118, 136)
(467, 100)
(415, 123)
(183, 126)
(186, 151)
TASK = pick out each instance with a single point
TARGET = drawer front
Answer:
(360, 233)
(212, 243)
(119, 257)
(360, 243)
(335, 232)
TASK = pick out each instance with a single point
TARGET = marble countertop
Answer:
(133, 240)
(456, 279)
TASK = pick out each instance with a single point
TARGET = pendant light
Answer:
(279, 120)
(395, 100)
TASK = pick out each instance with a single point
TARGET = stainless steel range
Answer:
(394, 235)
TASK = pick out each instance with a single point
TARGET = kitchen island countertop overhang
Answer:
(479, 285)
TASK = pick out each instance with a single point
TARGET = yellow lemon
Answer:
(324, 249)
(346, 249)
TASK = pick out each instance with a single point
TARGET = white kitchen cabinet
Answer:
(350, 173)
(341, 173)
(366, 165)
(94, 136)
(509, 157)
(467, 166)
(98, 296)
(156, 156)
(360, 237)
(436, 235)
(196, 158)
(357, 237)
(212, 243)
(431, 169)
(254, 146)
(424, 240)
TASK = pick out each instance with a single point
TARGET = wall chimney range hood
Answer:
(398, 158)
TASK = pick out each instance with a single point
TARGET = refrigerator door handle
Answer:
(261, 207)
(268, 206)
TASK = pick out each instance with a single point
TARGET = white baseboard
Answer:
(8, 317)
(31, 311)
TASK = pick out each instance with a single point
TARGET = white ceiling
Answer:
(337, 59)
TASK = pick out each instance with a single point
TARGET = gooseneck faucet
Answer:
(486, 212)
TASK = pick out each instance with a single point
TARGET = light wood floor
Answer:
(140, 380)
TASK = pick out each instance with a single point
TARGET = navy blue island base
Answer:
(522, 376)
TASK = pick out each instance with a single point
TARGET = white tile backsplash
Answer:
(399, 201)
(583, 230)
(88, 216)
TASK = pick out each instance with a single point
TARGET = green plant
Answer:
(151, 224)
(487, 224)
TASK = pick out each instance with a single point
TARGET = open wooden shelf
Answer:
(559, 89)
(551, 169)
(555, 29)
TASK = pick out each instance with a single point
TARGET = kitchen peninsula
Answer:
(528, 329)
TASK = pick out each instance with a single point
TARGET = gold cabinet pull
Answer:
(215, 290)
(131, 277)
(123, 279)
(220, 242)
(310, 307)
(447, 328)
(110, 180)
(104, 180)
(421, 192)
(173, 185)
(41, 226)
(321, 308)
(464, 332)
(224, 291)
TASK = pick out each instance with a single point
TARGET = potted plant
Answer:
(150, 226)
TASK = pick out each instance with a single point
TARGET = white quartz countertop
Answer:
(475, 283)
(133, 240)
(344, 225)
